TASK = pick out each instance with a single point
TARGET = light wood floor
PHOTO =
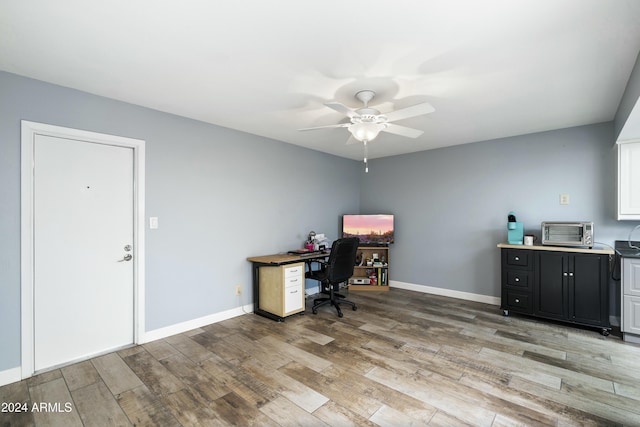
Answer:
(403, 358)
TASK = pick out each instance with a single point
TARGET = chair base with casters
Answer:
(335, 299)
(336, 270)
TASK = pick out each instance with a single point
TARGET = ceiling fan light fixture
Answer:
(365, 131)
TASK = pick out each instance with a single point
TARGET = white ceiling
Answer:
(491, 68)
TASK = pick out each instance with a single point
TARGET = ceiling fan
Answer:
(366, 123)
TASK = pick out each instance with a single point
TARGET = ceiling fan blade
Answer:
(341, 108)
(339, 125)
(402, 130)
(405, 113)
(384, 106)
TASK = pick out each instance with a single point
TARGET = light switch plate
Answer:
(153, 222)
(564, 199)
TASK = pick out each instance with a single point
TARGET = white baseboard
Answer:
(15, 374)
(445, 292)
(10, 376)
(179, 328)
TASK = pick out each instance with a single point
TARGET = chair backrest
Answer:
(342, 259)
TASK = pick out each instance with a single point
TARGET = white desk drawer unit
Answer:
(282, 289)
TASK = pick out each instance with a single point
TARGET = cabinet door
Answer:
(631, 315)
(630, 321)
(629, 180)
(631, 276)
(588, 295)
(550, 296)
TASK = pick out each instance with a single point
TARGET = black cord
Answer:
(616, 266)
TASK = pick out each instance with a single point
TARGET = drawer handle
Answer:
(294, 292)
(517, 279)
(517, 300)
(516, 258)
(293, 280)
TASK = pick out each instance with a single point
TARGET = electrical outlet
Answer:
(239, 290)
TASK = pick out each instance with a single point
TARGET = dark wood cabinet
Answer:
(565, 286)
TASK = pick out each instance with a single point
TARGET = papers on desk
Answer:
(321, 241)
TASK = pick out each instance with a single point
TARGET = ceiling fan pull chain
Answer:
(366, 154)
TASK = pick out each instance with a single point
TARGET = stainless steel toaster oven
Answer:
(567, 233)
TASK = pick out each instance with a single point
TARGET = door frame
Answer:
(29, 131)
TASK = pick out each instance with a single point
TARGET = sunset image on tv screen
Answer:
(369, 228)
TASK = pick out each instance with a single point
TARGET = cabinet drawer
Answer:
(519, 258)
(519, 278)
(293, 299)
(294, 271)
(293, 281)
(518, 301)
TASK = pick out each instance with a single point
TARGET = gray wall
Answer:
(220, 196)
(451, 204)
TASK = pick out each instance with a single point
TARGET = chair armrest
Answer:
(323, 263)
(323, 266)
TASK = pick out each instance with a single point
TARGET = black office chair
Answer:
(336, 270)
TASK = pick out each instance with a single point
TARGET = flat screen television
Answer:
(372, 230)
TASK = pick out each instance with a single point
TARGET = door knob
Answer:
(127, 257)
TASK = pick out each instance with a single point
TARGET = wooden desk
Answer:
(276, 260)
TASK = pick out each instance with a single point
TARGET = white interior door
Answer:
(83, 216)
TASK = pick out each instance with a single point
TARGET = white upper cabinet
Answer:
(629, 180)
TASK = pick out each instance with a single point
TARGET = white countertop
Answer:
(595, 250)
